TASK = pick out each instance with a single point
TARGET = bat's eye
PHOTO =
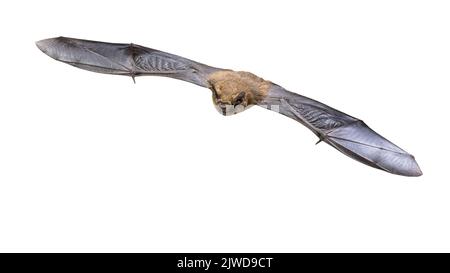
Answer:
(239, 98)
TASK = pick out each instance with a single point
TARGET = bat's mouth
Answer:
(229, 109)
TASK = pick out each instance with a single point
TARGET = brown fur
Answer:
(228, 84)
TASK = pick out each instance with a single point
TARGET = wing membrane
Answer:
(347, 134)
(124, 59)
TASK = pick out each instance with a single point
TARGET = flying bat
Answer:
(236, 91)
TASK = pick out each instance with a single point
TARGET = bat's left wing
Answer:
(349, 135)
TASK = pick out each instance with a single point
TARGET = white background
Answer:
(92, 162)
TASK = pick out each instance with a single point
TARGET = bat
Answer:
(236, 91)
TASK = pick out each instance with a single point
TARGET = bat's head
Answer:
(230, 104)
(234, 92)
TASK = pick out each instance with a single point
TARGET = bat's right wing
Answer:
(124, 59)
(347, 134)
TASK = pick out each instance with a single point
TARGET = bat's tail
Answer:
(124, 59)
